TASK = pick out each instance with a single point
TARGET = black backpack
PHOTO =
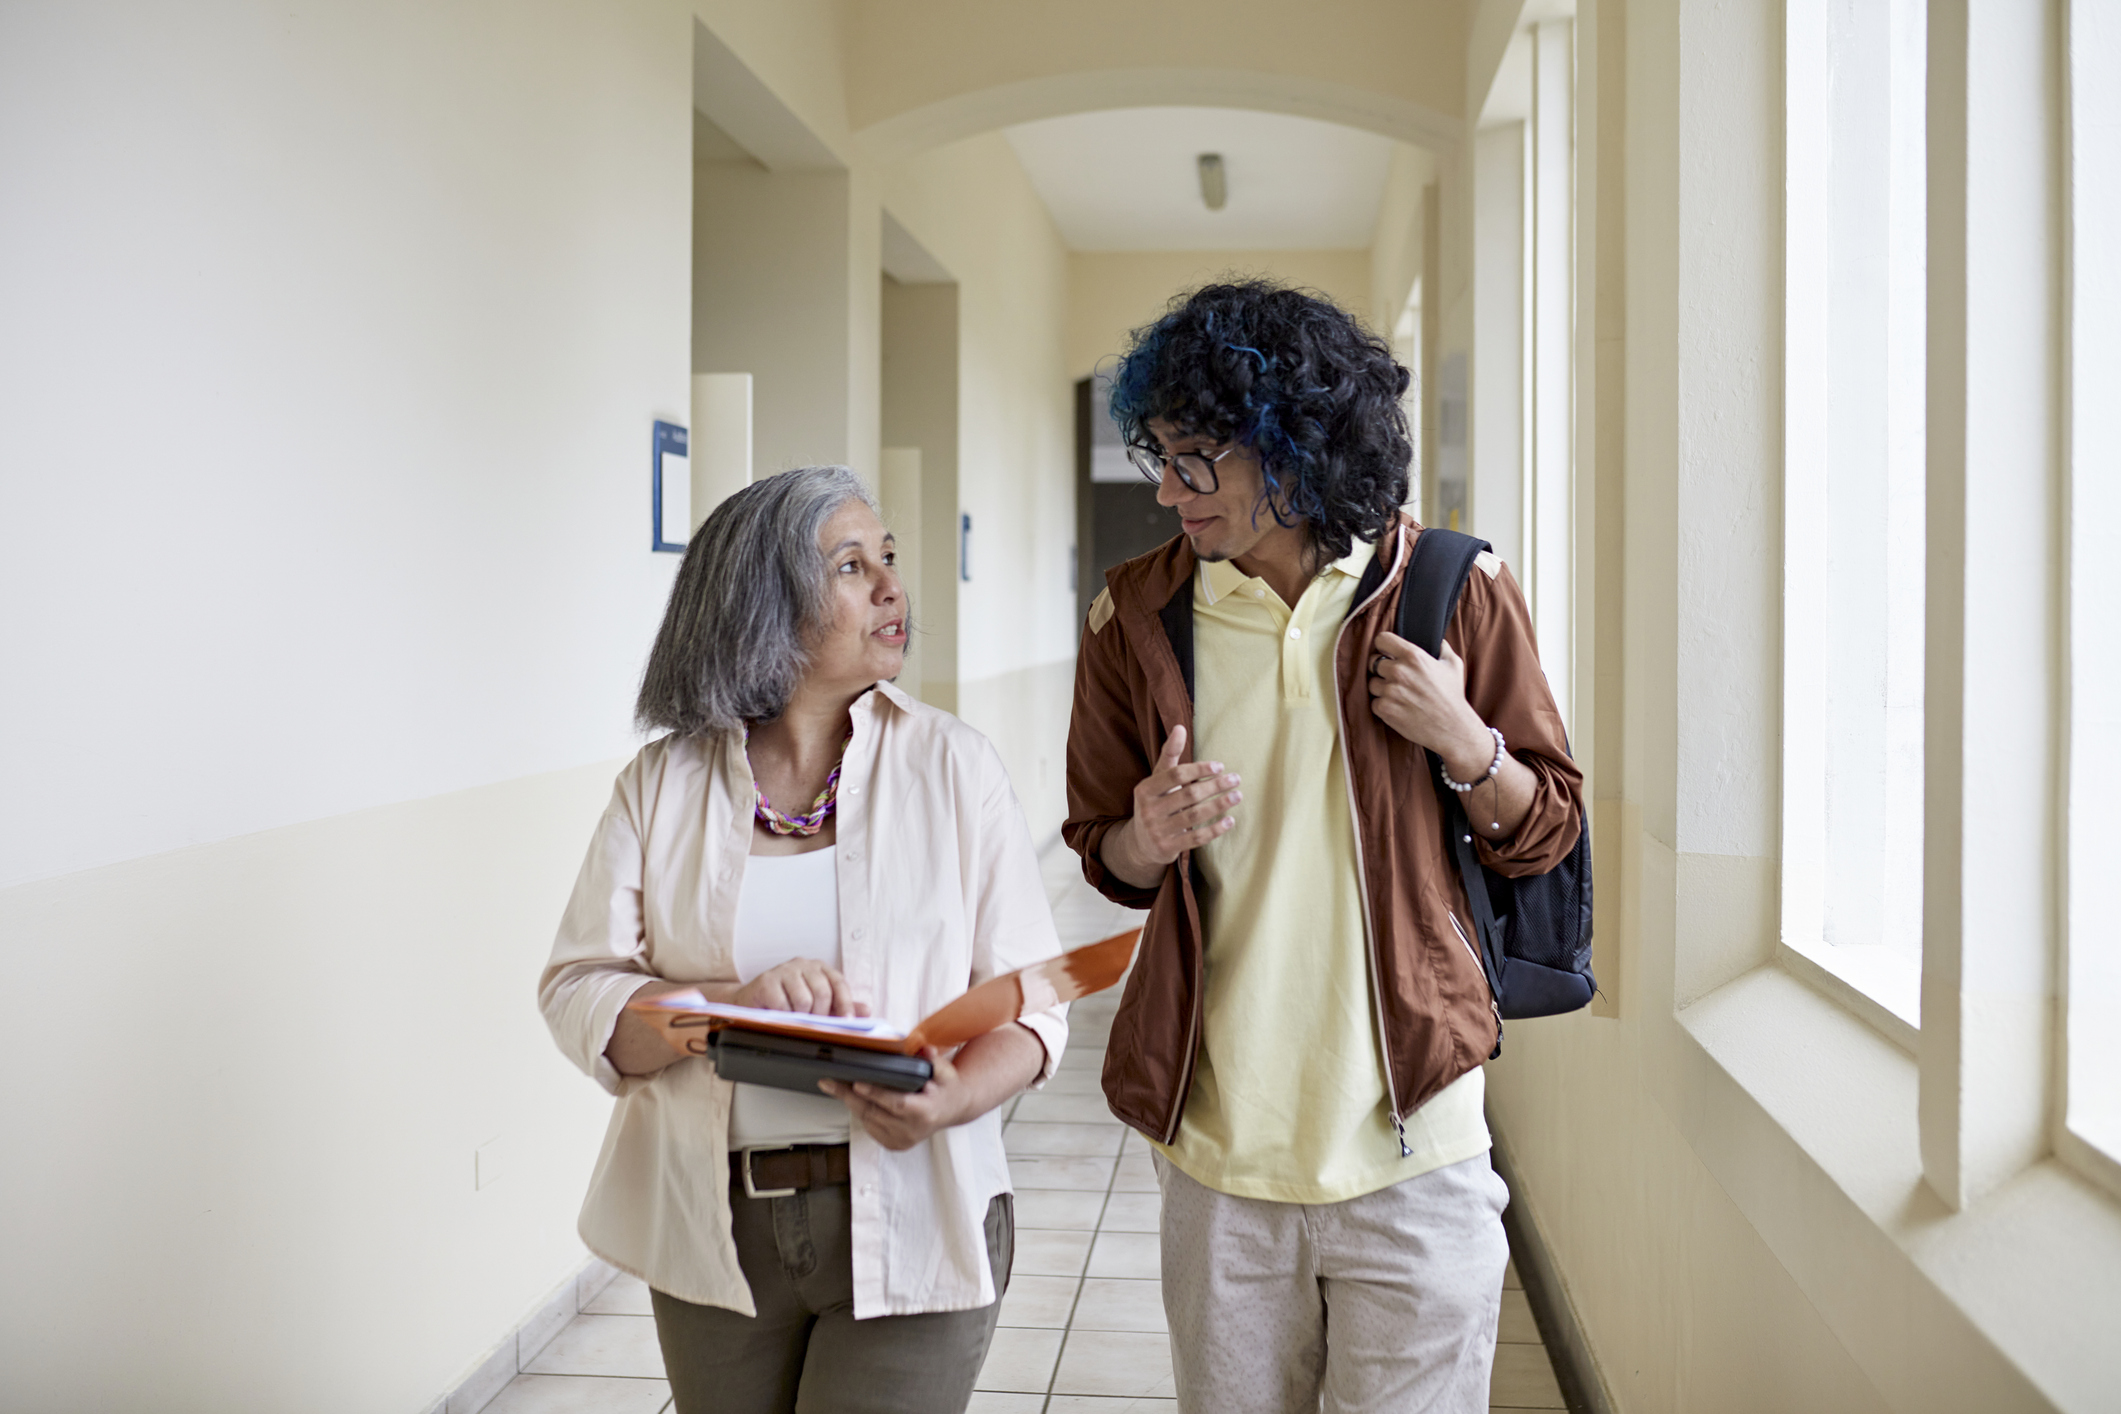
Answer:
(1535, 933)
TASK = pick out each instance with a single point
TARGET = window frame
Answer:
(2091, 307)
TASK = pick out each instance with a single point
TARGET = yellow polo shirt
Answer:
(1288, 1100)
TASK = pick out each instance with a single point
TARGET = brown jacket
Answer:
(1134, 682)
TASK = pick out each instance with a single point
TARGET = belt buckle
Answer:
(751, 1190)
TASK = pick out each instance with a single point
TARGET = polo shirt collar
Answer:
(1219, 578)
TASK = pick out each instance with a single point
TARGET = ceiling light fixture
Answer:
(1213, 190)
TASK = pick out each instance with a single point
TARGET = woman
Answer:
(872, 1281)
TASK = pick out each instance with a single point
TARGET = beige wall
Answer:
(1397, 250)
(970, 206)
(920, 411)
(797, 50)
(1111, 294)
(772, 297)
(939, 71)
(332, 351)
(243, 1125)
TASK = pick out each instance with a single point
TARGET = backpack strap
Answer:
(1428, 597)
(1436, 572)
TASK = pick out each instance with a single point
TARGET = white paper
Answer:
(677, 498)
(729, 1011)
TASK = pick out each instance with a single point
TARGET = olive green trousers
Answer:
(804, 1353)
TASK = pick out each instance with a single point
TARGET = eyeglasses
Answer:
(1195, 471)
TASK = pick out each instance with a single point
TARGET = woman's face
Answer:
(864, 640)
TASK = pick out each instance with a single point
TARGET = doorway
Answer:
(1116, 515)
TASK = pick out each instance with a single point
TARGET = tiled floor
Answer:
(1082, 1326)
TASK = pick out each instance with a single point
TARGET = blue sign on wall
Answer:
(671, 504)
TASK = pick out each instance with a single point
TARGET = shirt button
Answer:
(1259, 594)
(857, 933)
(1295, 632)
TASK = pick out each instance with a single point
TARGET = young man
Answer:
(1304, 1028)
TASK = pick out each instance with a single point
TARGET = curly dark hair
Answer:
(1296, 378)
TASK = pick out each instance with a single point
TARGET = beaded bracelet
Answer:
(1494, 767)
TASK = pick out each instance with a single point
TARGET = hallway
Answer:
(366, 367)
(1082, 1326)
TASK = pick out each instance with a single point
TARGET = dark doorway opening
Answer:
(1116, 515)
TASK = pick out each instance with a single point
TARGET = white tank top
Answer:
(788, 907)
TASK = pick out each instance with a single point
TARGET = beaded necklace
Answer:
(821, 809)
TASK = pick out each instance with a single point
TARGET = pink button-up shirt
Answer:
(939, 889)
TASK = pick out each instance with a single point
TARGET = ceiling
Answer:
(1127, 179)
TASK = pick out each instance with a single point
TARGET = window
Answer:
(1524, 358)
(1854, 503)
(2093, 1111)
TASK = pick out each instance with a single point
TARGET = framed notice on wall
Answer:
(671, 493)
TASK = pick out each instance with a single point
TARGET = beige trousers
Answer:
(1387, 1302)
(804, 1353)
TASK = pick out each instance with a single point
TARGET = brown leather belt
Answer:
(776, 1173)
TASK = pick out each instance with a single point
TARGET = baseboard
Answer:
(492, 1371)
(1575, 1368)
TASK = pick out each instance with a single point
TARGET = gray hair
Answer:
(752, 590)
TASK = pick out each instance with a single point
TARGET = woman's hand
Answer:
(637, 1046)
(900, 1119)
(982, 1074)
(801, 984)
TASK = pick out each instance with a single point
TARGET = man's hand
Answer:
(1423, 698)
(1177, 807)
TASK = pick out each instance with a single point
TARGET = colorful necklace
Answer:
(821, 809)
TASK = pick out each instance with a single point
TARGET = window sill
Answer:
(2094, 1164)
(1806, 1116)
(1873, 983)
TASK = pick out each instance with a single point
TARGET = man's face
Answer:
(1221, 524)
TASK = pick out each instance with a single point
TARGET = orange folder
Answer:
(686, 1019)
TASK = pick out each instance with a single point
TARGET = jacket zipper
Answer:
(1475, 955)
(1362, 873)
(1200, 986)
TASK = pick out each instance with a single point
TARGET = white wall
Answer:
(1397, 249)
(248, 1081)
(770, 297)
(330, 346)
(920, 386)
(1112, 294)
(971, 206)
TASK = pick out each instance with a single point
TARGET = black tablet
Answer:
(792, 1063)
